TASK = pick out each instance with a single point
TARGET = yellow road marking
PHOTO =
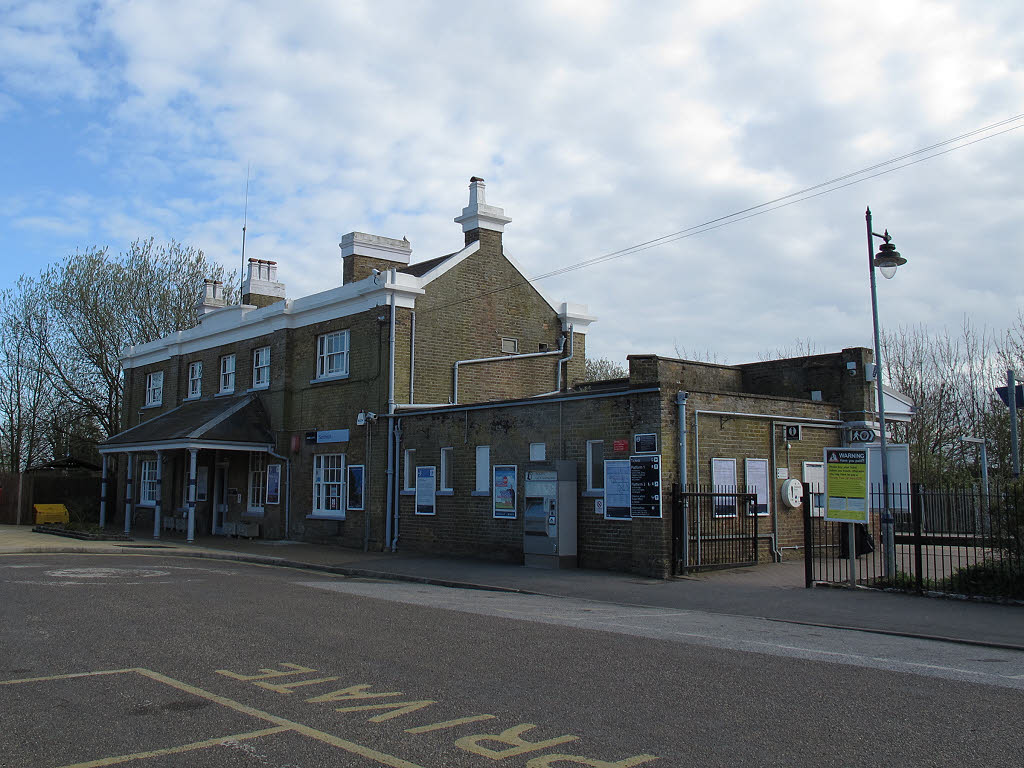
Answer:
(285, 725)
(349, 746)
(448, 724)
(71, 676)
(176, 750)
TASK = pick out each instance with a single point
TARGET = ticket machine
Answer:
(549, 519)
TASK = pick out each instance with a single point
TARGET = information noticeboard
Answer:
(846, 485)
(426, 490)
(645, 486)
(617, 490)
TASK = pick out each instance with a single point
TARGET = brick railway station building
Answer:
(439, 406)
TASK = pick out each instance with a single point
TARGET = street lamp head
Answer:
(888, 259)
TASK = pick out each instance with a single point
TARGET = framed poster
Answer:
(846, 485)
(723, 478)
(504, 477)
(756, 471)
(645, 486)
(356, 479)
(616, 490)
(645, 443)
(273, 484)
(426, 490)
(202, 481)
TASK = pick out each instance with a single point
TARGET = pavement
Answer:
(773, 591)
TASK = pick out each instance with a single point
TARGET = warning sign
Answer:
(846, 485)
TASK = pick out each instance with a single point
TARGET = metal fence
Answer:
(714, 527)
(957, 541)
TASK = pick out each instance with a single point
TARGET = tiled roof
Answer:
(236, 419)
(421, 268)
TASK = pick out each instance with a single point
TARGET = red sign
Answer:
(620, 445)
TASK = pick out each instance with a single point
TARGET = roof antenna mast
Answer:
(245, 216)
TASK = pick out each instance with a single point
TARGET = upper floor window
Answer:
(261, 368)
(510, 346)
(332, 355)
(195, 379)
(155, 388)
(227, 373)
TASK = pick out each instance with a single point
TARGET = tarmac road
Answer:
(165, 661)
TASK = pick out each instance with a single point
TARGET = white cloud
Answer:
(597, 126)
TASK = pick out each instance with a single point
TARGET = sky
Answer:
(597, 125)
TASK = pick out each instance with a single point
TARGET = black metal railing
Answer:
(720, 530)
(946, 540)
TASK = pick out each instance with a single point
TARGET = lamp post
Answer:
(886, 260)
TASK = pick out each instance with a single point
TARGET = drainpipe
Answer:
(288, 495)
(455, 382)
(392, 500)
(685, 543)
(572, 351)
(397, 479)
(412, 357)
(776, 550)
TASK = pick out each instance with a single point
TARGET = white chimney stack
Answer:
(478, 214)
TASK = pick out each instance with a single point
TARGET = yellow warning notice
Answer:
(846, 485)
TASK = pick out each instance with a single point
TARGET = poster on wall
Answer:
(846, 485)
(723, 478)
(645, 486)
(757, 482)
(616, 490)
(202, 481)
(273, 484)
(426, 490)
(505, 490)
(355, 486)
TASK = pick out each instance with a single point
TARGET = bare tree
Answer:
(26, 399)
(602, 369)
(97, 305)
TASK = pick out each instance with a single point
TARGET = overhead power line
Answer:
(807, 193)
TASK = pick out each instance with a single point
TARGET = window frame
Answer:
(257, 368)
(226, 375)
(331, 486)
(154, 389)
(355, 478)
(592, 470)
(256, 496)
(483, 471)
(195, 380)
(446, 480)
(409, 470)
(323, 356)
(148, 484)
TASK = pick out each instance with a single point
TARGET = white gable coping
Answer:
(239, 323)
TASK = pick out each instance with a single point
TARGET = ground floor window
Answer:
(257, 482)
(147, 482)
(328, 484)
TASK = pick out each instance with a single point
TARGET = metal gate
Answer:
(713, 527)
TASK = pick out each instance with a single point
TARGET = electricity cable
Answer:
(768, 206)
